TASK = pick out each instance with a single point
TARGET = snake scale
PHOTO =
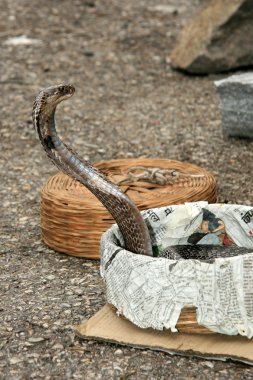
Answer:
(130, 222)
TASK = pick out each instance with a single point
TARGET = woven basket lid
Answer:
(72, 219)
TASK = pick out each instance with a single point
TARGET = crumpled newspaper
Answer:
(151, 291)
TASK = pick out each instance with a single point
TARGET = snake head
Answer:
(55, 94)
(46, 101)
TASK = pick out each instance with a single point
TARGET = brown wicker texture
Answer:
(187, 322)
(72, 219)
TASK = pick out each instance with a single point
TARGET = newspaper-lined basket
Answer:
(72, 219)
(189, 295)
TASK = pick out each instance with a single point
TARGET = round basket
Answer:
(185, 295)
(72, 219)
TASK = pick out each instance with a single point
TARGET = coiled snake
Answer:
(131, 224)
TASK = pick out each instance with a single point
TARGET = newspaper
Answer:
(151, 291)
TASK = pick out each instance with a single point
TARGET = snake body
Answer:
(203, 252)
(123, 210)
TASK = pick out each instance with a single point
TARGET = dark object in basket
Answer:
(203, 252)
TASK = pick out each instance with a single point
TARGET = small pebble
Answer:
(208, 364)
(63, 305)
(146, 368)
(118, 352)
(15, 360)
(34, 339)
(118, 370)
(57, 346)
(50, 277)
(78, 291)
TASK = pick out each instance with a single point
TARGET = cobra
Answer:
(123, 210)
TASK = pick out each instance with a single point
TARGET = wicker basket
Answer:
(150, 291)
(186, 324)
(72, 219)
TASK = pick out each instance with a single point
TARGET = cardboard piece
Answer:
(105, 325)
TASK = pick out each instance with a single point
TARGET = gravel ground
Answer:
(129, 102)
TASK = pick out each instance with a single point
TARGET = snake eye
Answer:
(61, 88)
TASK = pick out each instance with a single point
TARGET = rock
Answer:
(65, 305)
(50, 277)
(35, 339)
(15, 360)
(146, 368)
(78, 291)
(118, 352)
(208, 364)
(170, 9)
(236, 104)
(118, 371)
(218, 38)
(58, 346)
(22, 40)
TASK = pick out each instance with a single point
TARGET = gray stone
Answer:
(78, 291)
(146, 368)
(58, 346)
(50, 277)
(65, 305)
(218, 38)
(208, 364)
(35, 339)
(236, 104)
(118, 352)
